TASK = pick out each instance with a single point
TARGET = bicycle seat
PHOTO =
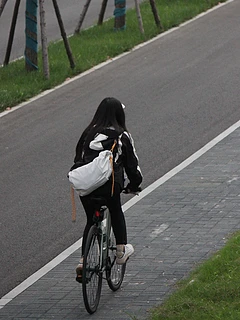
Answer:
(99, 201)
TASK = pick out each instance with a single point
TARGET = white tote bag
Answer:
(93, 175)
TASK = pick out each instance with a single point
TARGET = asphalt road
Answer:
(70, 11)
(180, 92)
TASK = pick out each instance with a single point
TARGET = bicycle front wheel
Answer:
(114, 272)
(92, 275)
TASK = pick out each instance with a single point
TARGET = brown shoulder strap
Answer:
(114, 144)
(111, 160)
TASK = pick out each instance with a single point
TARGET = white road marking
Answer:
(159, 230)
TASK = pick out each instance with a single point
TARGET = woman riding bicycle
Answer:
(107, 126)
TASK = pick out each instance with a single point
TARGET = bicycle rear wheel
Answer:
(92, 275)
(114, 272)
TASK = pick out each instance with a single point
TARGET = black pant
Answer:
(115, 208)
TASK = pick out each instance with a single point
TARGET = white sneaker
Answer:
(123, 256)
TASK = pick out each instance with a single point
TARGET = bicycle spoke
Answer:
(115, 272)
(92, 276)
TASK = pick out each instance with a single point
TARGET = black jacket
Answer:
(125, 157)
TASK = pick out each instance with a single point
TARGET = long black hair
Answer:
(109, 113)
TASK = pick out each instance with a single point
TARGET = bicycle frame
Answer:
(104, 227)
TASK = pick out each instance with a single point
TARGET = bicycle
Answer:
(100, 257)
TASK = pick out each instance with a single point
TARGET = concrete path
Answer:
(173, 228)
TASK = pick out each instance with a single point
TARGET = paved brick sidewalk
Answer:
(175, 227)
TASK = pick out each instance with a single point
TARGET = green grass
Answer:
(92, 47)
(211, 292)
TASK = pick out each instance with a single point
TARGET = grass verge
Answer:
(92, 47)
(211, 292)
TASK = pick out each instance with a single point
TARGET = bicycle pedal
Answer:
(79, 279)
